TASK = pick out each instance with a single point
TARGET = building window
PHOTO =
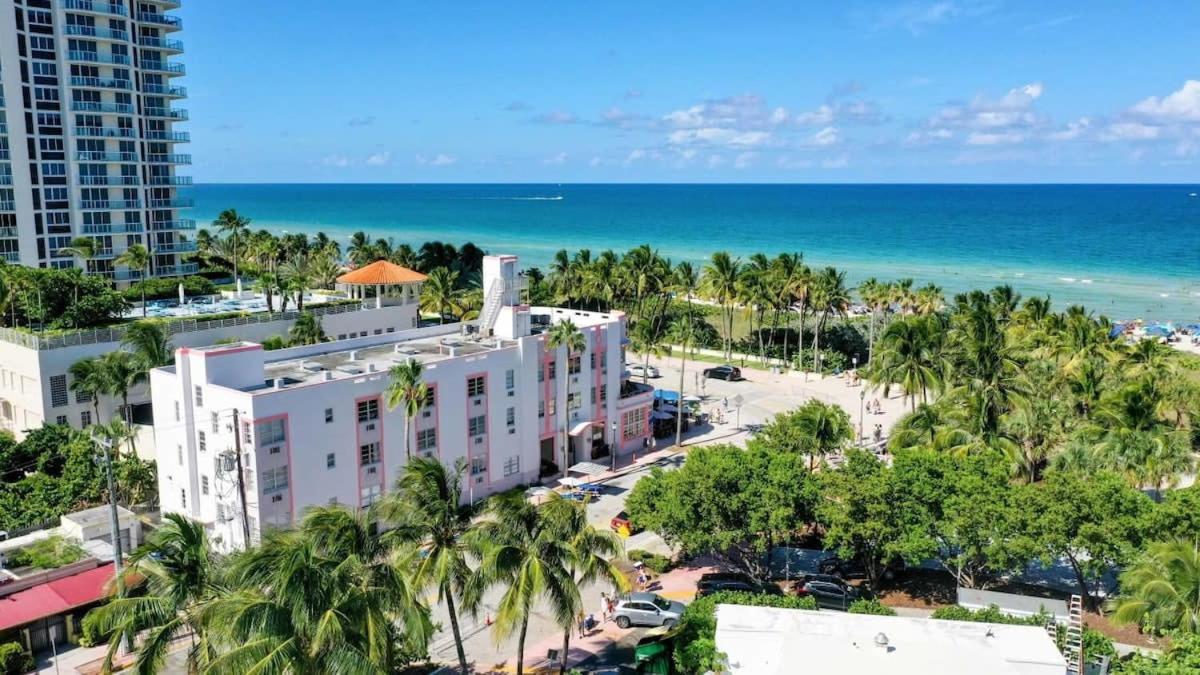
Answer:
(203, 485)
(328, 415)
(368, 454)
(330, 460)
(573, 364)
(478, 465)
(512, 465)
(369, 495)
(634, 424)
(426, 439)
(553, 368)
(61, 419)
(270, 432)
(575, 400)
(177, 418)
(430, 397)
(542, 374)
(273, 479)
(510, 416)
(541, 409)
(58, 390)
(475, 386)
(510, 379)
(216, 423)
(477, 426)
(183, 499)
(199, 396)
(203, 439)
(368, 410)
(85, 418)
(592, 360)
(83, 397)
(550, 405)
(179, 453)
(603, 393)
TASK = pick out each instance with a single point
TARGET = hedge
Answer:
(164, 289)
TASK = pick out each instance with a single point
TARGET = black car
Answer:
(714, 582)
(852, 569)
(829, 591)
(729, 373)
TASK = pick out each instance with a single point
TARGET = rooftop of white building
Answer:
(765, 640)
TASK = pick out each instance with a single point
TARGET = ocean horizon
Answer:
(1123, 250)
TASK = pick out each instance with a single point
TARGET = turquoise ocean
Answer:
(1127, 251)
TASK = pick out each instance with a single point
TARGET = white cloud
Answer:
(635, 155)
(1182, 105)
(719, 136)
(556, 159)
(337, 161)
(379, 159)
(744, 160)
(595, 161)
(439, 159)
(1131, 131)
(995, 138)
(1073, 130)
(556, 117)
(823, 114)
(825, 137)
(1007, 120)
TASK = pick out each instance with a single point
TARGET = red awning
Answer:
(54, 597)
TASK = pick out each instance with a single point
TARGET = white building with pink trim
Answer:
(314, 428)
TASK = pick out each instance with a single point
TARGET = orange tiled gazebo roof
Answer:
(381, 273)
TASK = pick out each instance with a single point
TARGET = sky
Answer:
(696, 91)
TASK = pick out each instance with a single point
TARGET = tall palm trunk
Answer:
(679, 411)
(566, 433)
(408, 433)
(562, 664)
(817, 347)
(458, 642)
(800, 332)
(521, 643)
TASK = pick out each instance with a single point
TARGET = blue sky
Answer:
(940, 90)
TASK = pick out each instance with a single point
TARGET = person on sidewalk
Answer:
(582, 624)
(604, 605)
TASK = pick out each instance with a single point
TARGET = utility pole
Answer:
(105, 458)
(241, 478)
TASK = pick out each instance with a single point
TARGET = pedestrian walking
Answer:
(582, 624)
(642, 579)
(604, 605)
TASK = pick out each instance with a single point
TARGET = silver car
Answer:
(647, 609)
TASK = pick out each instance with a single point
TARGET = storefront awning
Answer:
(55, 597)
(580, 428)
(588, 469)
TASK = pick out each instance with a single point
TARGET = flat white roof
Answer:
(767, 640)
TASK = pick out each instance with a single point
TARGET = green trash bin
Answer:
(653, 657)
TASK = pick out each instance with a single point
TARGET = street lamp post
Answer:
(612, 446)
(862, 397)
(105, 459)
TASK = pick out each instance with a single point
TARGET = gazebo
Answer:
(393, 284)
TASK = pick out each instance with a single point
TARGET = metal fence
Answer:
(173, 327)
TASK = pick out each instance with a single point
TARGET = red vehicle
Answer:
(621, 522)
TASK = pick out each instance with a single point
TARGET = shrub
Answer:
(990, 614)
(89, 634)
(695, 643)
(47, 554)
(14, 660)
(273, 342)
(165, 289)
(655, 562)
(875, 607)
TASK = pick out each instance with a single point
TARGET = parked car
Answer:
(647, 609)
(621, 521)
(854, 569)
(726, 372)
(642, 370)
(829, 591)
(714, 582)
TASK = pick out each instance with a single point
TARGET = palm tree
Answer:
(520, 549)
(683, 333)
(84, 248)
(1162, 590)
(906, 357)
(440, 294)
(297, 277)
(232, 224)
(405, 388)
(119, 373)
(177, 572)
(829, 297)
(591, 555)
(644, 339)
(307, 330)
(826, 429)
(872, 294)
(88, 382)
(928, 300)
(427, 511)
(360, 251)
(564, 334)
(719, 281)
(327, 596)
(147, 341)
(136, 257)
